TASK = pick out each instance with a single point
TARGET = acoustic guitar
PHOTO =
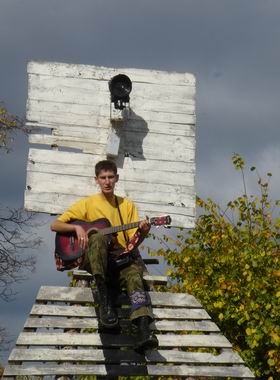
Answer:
(66, 243)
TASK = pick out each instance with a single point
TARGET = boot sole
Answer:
(151, 344)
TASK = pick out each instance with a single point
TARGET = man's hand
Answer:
(144, 226)
(82, 237)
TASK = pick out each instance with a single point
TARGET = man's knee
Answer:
(97, 246)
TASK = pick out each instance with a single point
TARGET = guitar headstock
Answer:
(164, 220)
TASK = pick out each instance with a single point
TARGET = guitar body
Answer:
(66, 243)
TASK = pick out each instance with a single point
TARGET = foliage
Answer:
(9, 124)
(230, 262)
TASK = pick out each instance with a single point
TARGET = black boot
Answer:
(107, 314)
(146, 340)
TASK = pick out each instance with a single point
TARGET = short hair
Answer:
(106, 165)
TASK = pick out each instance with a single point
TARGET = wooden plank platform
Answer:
(61, 337)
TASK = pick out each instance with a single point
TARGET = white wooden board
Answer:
(125, 370)
(156, 159)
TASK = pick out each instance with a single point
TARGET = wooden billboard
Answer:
(68, 108)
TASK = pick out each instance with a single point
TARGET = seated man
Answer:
(98, 257)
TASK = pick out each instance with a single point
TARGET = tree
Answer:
(15, 226)
(231, 262)
(9, 125)
(14, 239)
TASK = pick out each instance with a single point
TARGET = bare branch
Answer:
(15, 238)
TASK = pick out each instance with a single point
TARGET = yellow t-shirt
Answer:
(97, 206)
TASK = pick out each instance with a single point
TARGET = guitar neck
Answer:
(113, 230)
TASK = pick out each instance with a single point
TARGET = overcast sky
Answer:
(232, 46)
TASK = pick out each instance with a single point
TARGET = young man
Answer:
(99, 259)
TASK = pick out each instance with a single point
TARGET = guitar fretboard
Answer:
(113, 230)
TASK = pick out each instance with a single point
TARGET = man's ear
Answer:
(117, 177)
(95, 178)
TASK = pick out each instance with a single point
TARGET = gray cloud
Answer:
(231, 46)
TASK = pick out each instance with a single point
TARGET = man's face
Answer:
(107, 180)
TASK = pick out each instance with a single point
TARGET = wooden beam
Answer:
(121, 370)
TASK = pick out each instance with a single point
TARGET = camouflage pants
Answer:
(129, 277)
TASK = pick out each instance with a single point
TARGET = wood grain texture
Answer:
(81, 295)
(124, 370)
(115, 356)
(156, 158)
(86, 322)
(86, 311)
(114, 340)
(63, 345)
(58, 69)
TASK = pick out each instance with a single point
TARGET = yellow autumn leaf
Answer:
(219, 304)
(254, 343)
(248, 331)
(275, 337)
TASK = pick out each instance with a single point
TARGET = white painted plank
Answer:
(52, 101)
(130, 140)
(167, 325)
(85, 311)
(155, 279)
(174, 129)
(152, 370)
(50, 161)
(63, 293)
(113, 356)
(85, 163)
(63, 311)
(152, 178)
(96, 92)
(92, 120)
(105, 73)
(82, 323)
(134, 136)
(156, 208)
(70, 142)
(92, 339)
(61, 323)
(173, 152)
